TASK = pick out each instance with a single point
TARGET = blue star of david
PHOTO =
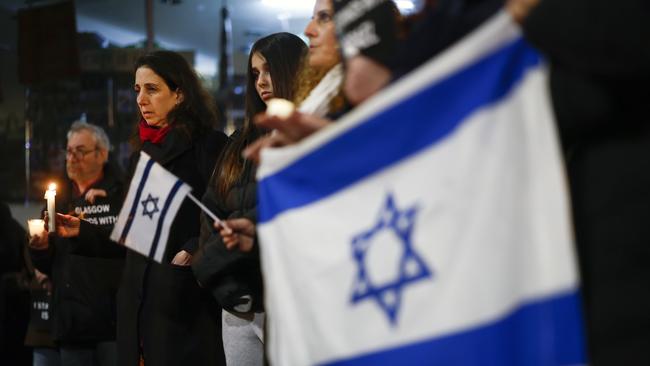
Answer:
(411, 266)
(150, 206)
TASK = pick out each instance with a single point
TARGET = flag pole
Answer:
(206, 210)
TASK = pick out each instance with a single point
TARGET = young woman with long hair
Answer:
(234, 276)
(319, 86)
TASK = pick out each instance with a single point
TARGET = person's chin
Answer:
(148, 119)
(155, 123)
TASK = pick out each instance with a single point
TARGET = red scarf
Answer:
(155, 135)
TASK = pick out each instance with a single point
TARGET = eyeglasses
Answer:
(78, 154)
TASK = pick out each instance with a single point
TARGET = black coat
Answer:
(161, 306)
(84, 285)
(14, 299)
(12, 242)
(600, 73)
(230, 274)
(440, 27)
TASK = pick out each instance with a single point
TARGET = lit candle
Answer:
(280, 108)
(51, 211)
(36, 227)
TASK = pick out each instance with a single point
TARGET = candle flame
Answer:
(51, 187)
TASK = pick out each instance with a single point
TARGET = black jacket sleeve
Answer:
(12, 242)
(594, 36)
(228, 274)
(446, 23)
(600, 64)
(94, 241)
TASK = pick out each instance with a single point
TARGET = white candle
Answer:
(51, 211)
(280, 108)
(36, 227)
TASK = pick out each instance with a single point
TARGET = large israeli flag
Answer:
(430, 226)
(154, 197)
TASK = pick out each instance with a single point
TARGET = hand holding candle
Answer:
(67, 226)
(51, 211)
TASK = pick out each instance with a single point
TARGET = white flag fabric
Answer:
(430, 226)
(154, 197)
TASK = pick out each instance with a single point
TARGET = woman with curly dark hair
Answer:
(163, 316)
(192, 111)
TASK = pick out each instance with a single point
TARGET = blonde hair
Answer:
(308, 78)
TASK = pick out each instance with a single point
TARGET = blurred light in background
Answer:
(204, 64)
(117, 35)
(405, 6)
(296, 5)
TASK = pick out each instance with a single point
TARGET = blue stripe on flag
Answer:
(400, 131)
(134, 204)
(161, 218)
(545, 333)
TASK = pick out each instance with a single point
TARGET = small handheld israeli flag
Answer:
(429, 226)
(154, 197)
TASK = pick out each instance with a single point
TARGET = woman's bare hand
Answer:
(237, 233)
(286, 131)
(519, 9)
(182, 258)
(39, 241)
(67, 226)
(93, 193)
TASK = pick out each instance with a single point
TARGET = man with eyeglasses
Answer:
(85, 281)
